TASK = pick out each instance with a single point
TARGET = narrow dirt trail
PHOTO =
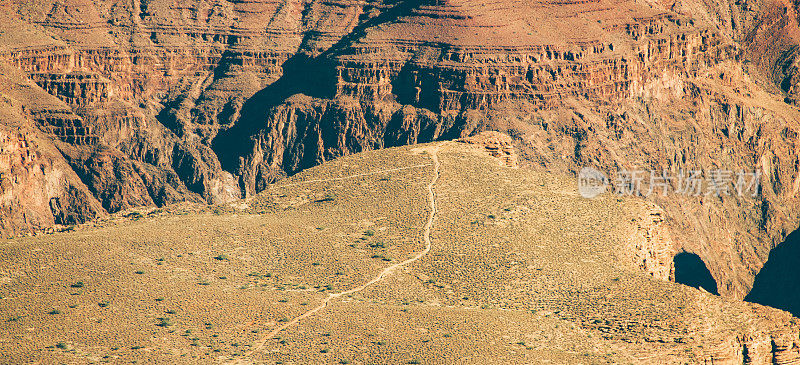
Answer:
(426, 235)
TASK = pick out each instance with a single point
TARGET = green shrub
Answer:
(164, 322)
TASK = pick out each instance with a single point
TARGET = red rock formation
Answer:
(39, 190)
(76, 89)
(66, 127)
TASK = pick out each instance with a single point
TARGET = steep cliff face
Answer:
(767, 31)
(39, 190)
(156, 102)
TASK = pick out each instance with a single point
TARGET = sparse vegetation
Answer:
(506, 265)
(377, 244)
(165, 322)
(329, 197)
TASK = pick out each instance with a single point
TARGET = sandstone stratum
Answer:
(109, 106)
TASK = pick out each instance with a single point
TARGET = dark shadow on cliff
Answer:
(690, 270)
(301, 74)
(423, 93)
(778, 283)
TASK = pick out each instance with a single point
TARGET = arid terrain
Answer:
(493, 264)
(234, 168)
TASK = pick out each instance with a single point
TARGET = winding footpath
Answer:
(426, 235)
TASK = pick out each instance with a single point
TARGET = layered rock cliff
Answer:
(155, 102)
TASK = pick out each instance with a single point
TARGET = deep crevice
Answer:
(690, 270)
(301, 74)
(778, 283)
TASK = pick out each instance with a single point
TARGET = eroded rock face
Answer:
(39, 190)
(498, 145)
(651, 246)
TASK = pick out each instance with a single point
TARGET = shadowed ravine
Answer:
(778, 283)
(692, 271)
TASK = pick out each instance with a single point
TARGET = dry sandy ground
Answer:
(514, 267)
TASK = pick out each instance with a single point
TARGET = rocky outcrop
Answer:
(651, 247)
(39, 190)
(76, 89)
(65, 126)
(757, 344)
(498, 145)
